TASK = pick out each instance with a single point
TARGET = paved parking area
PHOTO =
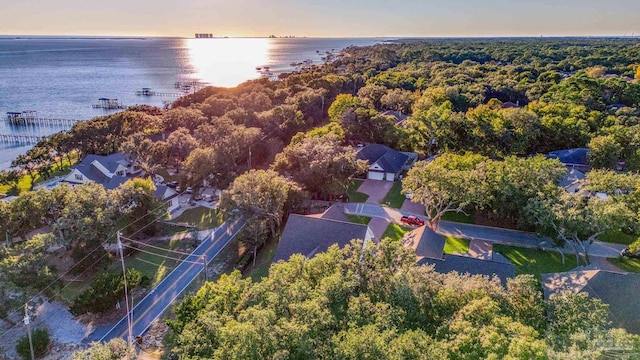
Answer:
(376, 190)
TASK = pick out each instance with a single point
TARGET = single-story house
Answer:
(308, 235)
(618, 290)
(572, 158)
(385, 163)
(429, 247)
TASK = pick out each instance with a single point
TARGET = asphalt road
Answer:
(484, 233)
(152, 306)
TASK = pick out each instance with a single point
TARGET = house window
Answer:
(79, 177)
(120, 173)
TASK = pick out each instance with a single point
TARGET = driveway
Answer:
(376, 190)
(378, 226)
(484, 233)
(411, 207)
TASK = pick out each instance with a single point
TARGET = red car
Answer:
(412, 220)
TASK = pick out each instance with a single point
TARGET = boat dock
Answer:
(108, 104)
(21, 139)
(149, 92)
(30, 117)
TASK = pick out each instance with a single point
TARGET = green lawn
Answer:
(458, 217)
(618, 237)
(626, 264)
(155, 267)
(395, 231)
(358, 219)
(202, 217)
(165, 174)
(394, 197)
(263, 262)
(25, 181)
(454, 245)
(536, 262)
(354, 195)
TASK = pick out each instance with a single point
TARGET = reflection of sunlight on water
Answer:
(227, 62)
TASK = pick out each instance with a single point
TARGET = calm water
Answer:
(62, 78)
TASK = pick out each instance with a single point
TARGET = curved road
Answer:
(152, 306)
(484, 233)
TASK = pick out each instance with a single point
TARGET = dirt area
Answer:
(65, 331)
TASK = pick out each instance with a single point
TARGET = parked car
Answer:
(172, 184)
(189, 190)
(627, 253)
(412, 220)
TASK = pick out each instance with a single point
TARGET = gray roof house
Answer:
(110, 171)
(399, 117)
(308, 236)
(385, 163)
(572, 158)
(429, 247)
(618, 290)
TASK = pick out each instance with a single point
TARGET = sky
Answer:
(321, 18)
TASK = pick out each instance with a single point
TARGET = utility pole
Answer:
(28, 323)
(126, 294)
(249, 160)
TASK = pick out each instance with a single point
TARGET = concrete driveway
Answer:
(411, 207)
(376, 189)
(378, 226)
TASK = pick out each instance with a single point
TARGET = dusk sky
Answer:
(321, 18)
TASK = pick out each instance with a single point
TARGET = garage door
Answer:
(391, 176)
(373, 175)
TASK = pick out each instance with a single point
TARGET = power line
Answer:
(162, 256)
(155, 247)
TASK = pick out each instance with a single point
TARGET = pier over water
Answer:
(30, 117)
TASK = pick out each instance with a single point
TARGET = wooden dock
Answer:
(108, 104)
(21, 139)
(149, 92)
(31, 118)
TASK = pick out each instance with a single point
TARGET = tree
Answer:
(604, 152)
(263, 198)
(320, 164)
(637, 75)
(398, 99)
(578, 219)
(340, 105)
(41, 341)
(115, 349)
(447, 184)
(180, 143)
(135, 200)
(182, 118)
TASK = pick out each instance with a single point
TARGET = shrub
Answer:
(106, 289)
(41, 341)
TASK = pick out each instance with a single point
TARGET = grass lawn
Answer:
(395, 231)
(202, 217)
(354, 195)
(454, 245)
(165, 174)
(458, 217)
(618, 237)
(263, 262)
(357, 219)
(24, 183)
(394, 197)
(626, 264)
(536, 262)
(156, 267)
